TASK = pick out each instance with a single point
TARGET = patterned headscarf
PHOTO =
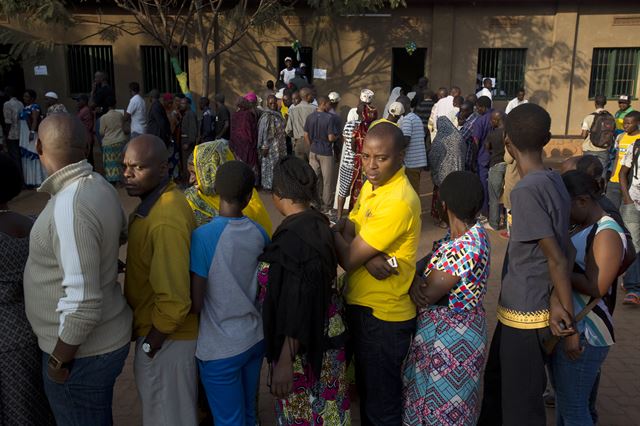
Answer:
(205, 203)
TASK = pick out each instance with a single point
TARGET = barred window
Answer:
(82, 63)
(157, 71)
(506, 66)
(614, 72)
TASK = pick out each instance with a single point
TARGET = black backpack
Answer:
(602, 131)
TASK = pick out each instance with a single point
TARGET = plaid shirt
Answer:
(467, 128)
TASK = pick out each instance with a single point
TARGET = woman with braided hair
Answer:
(302, 316)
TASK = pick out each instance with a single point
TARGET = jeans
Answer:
(484, 158)
(85, 398)
(631, 217)
(613, 193)
(603, 156)
(380, 348)
(231, 385)
(574, 382)
(496, 186)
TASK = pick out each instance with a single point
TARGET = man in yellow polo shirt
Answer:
(383, 230)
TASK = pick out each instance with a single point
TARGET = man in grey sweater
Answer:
(72, 298)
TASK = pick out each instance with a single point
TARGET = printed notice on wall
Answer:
(40, 70)
(320, 73)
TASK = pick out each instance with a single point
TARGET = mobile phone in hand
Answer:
(393, 262)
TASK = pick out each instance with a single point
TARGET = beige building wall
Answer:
(357, 51)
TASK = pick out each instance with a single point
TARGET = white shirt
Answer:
(137, 109)
(485, 92)
(514, 103)
(634, 189)
(287, 75)
(443, 107)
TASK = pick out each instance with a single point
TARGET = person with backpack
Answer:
(598, 133)
(623, 142)
(630, 208)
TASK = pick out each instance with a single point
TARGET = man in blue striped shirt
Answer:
(415, 159)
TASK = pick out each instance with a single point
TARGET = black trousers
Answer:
(515, 378)
(13, 149)
(379, 348)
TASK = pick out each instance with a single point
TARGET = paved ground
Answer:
(619, 386)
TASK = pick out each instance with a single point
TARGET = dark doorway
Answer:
(306, 57)
(11, 72)
(407, 69)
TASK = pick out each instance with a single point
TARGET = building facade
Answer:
(562, 52)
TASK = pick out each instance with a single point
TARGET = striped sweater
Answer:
(70, 280)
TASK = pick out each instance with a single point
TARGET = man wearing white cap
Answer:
(52, 103)
(303, 69)
(289, 72)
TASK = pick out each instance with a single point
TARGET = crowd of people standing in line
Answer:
(211, 289)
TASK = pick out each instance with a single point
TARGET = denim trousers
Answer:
(574, 382)
(379, 349)
(86, 397)
(631, 217)
(613, 193)
(496, 186)
(231, 385)
(603, 156)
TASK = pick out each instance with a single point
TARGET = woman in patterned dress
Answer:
(22, 398)
(442, 372)
(272, 140)
(302, 316)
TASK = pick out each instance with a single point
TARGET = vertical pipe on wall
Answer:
(573, 69)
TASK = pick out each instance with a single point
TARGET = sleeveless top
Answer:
(597, 326)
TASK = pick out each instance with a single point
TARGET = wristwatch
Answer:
(55, 364)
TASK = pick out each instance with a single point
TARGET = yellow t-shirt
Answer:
(622, 144)
(388, 219)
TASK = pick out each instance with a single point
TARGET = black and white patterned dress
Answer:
(22, 398)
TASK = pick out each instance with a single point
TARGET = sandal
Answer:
(631, 299)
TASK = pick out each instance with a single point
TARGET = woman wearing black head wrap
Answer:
(303, 328)
(451, 322)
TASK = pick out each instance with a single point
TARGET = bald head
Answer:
(61, 141)
(306, 94)
(150, 147)
(145, 165)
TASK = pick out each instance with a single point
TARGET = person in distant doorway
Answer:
(289, 72)
(624, 105)
(113, 141)
(415, 158)
(588, 148)
(72, 296)
(52, 103)
(158, 123)
(518, 100)
(303, 68)
(157, 287)
(487, 89)
(21, 390)
(223, 119)
(296, 122)
(298, 81)
(32, 170)
(271, 140)
(320, 133)
(136, 112)
(11, 112)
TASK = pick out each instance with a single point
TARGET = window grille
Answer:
(614, 72)
(157, 72)
(82, 63)
(506, 66)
